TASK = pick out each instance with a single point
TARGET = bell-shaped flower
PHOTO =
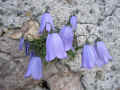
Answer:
(102, 52)
(27, 46)
(73, 22)
(21, 43)
(88, 57)
(46, 23)
(54, 47)
(32, 54)
(99, 62)
(34, 68)
(66, 34)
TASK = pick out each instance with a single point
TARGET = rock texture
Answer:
(100, 17)
(62, 78)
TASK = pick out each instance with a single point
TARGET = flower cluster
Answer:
(57, 44)
(96, 55)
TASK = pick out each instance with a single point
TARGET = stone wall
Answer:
(100, 17)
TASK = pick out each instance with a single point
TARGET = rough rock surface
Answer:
(100, 17)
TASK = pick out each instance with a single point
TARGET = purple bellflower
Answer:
(102, 52)
(34, 68)
(46, 23)
(88, 57)
(32, 54)
(73, 22)
(21, 43)
(66, 34)
(27, 46)
(99, 62)
(54, 47)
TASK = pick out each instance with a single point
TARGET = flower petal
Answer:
(45, 19)
(42, 24)
(36, 68)
(54, 47)
(21, 43)
(59, 46)
(32, 54)
(48, 19)
(99, 62)
(48, 27)
(88, 57)
(73, 22)
(27, 46)
(28, 73)
(102, 52)
(66, 34)
(50, 53)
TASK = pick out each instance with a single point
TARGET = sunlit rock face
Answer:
(29, 31)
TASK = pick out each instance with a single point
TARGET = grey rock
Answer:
(117, 13)
(100, 17)
(12, 67)
(65, 81)
(110, 6)
(38, 88)
(49, 71)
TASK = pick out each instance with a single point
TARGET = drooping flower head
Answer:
(21, 43)
(27, 47)
(46, 23)
(102, 52)
(54, 47)
(66, 35)
(32, 54)
(73, 22)
(99, 62)
(88, 57)
(34, 68)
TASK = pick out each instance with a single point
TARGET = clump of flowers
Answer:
(53, 45)
(95, 55)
